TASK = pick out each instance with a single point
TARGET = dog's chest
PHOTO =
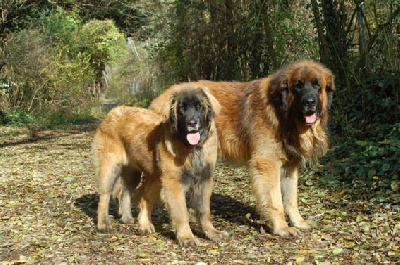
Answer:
(196, 169)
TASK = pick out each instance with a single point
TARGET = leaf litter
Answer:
(48, 206)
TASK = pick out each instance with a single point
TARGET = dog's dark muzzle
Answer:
(192, 125)
(309, 104)
(193, 135)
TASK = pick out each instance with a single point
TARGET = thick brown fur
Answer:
(134, 143)
(262, 124)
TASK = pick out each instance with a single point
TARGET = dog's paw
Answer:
(104, 225)
(190, 241)
(127, 219)
(216, 235)
(147, 228)
(305, 225)
(286, 231)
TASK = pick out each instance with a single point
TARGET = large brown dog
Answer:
(176, 152)
(275, 125)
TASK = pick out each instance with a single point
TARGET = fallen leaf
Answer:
(337, 251)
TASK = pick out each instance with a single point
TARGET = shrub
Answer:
(24, 75)
(102, 41)
(71, 88)
(366, 133)
(60, 27)
(57, 72)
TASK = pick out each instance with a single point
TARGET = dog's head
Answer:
(305, 90)
(190, 112)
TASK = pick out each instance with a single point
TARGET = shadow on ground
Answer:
(47, 135)
(224, 208)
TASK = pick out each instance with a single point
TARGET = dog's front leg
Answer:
(289, 180)
(173, 195)
(201, 203)
(265, 180)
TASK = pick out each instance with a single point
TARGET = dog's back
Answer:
(123, 137)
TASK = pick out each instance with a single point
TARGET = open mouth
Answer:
(193, 137)
(310, 117)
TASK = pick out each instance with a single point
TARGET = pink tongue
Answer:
(310, 118)
(193, 138)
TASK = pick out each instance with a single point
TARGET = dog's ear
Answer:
(329, 80)
(330, 88)
(284, 98)
(279, 89)
(213, 107)
(212, 102)
(169, 111)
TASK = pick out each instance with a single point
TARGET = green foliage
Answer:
(98, 40)
(292, 34)
(366, 133)
(374, 162)
(56, 119)
(233, 40)
(57, 72)
(52, 120)
(40, 83)
(102, 41)
(20, 15)
(27, 55)
(71, 86)
(129, 17)
(60, 26)
(19, 118)
(367, 110)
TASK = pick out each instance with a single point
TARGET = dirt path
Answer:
(48, 207)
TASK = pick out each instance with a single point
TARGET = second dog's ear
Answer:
(212, 101)
(169, 112)
(209, 112)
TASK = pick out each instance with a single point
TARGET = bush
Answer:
(60, 27)
(102, 41)
(57, 72)
(19, 118)
(38, 83)
(366, 133)
(71, 88)
(24, 77)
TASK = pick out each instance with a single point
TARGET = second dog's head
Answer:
(190, 112)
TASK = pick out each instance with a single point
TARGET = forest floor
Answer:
(48, 206)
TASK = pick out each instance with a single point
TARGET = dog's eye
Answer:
(198, 106)
(183, 107)
(316, 84)
(298, 85)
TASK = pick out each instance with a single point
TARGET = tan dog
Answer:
(176, 153)
(274, 125)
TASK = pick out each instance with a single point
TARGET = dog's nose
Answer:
(309, 101)
(191, 123)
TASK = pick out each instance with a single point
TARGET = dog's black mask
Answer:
(306, 103)
(192, 118)
(306, 100)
